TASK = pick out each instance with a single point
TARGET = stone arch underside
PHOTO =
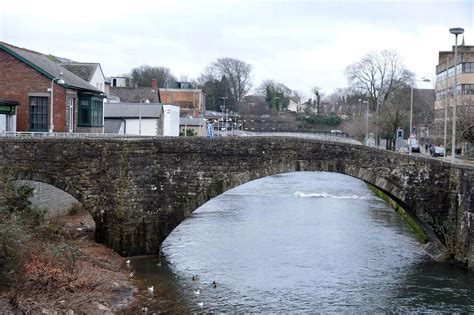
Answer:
(392, 189)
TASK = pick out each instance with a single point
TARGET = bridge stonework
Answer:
(139, 190)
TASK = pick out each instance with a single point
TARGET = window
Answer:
(468, 67)
(38, 113)
(441, 76)
(84, 112)
(90, 111)
(468, 89)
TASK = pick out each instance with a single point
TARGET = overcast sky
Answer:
(301, 43)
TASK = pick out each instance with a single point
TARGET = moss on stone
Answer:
(404, 214)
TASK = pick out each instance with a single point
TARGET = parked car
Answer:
(437, 151)
(415, 148)
(336, 131)
(414, 145)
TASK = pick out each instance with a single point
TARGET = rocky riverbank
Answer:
(65, 270)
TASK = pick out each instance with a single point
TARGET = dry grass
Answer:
(80, 278)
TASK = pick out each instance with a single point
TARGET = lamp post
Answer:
(456, 31)
(51, 116)
(146, 101)
(446, 109)
(367, 123)
(411, 114)
(377, 123)
(223, 109)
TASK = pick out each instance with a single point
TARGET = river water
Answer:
(299, 242)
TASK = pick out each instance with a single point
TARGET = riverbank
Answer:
(65, 269)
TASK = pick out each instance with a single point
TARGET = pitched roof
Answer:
(83, 70)
(135, 94)
(132, 110)
(49, 68)
(112, 125)
(192, 121)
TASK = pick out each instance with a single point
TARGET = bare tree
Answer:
(356, 127)
(237, 72)
(395, 115)
(378, 74)
(143, 75)
(465, 119)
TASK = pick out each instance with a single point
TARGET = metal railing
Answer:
(29, 134)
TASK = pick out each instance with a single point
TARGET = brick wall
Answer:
(17, 80)
(189, 101)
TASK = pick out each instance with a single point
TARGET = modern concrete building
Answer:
(444, 102)
(145, 119)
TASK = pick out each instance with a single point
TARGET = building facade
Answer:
(29, 79)
(445, 87)
(192, 102)
(141, 119)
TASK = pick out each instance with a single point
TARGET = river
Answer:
(299, 242)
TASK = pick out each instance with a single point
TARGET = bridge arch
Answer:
(52, 180)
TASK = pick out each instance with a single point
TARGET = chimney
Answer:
(154, 85)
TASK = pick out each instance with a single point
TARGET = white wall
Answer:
(120, 82)
(3, 122)
(171, 120)
(98, 80)
(148, 126)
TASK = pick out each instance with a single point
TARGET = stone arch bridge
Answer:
(139, 189)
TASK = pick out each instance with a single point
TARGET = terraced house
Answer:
(39, 94)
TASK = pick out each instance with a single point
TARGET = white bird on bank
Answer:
(131, 274)
(150, 289)
(128, 262)
(197, 292)
(201, 305)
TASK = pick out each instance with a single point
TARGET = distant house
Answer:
(197, 125)
(192, 102)
(129, 94)
(146, 119)
(120, 81)
(295, 106)
(27, 81)
(90, 72)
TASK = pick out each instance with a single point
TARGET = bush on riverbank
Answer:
(52, 265)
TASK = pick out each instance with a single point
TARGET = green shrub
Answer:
(313, 119)
(76, 209)
(17, 218)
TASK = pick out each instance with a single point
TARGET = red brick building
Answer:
(192, 102)
(26, 80)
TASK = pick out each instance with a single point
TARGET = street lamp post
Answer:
(446, 109)
(456, 31)
(144, 100)
(411, 114)
(51, 116)
(367, 123)
(223, 109)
